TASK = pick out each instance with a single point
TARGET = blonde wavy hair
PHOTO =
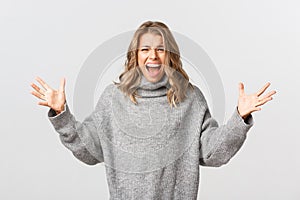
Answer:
(178, 78)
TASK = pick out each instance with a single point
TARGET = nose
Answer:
(152, 54)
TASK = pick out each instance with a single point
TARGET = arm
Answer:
(220, 144)
(80, 138)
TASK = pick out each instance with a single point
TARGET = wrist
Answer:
(57, 112)
(244, 116)
(60, 110)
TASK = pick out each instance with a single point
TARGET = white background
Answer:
(251, 41)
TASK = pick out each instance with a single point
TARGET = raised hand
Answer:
(251, 103)
(54, 99)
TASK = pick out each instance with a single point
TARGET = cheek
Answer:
(142, 58)
(162, 58)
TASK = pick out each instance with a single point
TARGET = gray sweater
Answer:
(150, 150)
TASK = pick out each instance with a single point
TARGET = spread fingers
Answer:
(38, 95)
(38, 89)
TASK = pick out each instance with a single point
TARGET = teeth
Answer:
(153, 65)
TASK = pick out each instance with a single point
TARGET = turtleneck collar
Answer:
(148, 89)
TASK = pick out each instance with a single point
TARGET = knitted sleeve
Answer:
(218, 144)
(81, 138)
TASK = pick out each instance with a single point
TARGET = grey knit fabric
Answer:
(150, 150)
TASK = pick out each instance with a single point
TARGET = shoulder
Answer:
(109, 88)
(197, 97)
(106, 96)
(197, 93)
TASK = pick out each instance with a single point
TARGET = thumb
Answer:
(62, 84)
(241, 88)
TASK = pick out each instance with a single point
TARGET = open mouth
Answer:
(153, 67)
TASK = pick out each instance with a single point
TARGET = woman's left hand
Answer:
(251, 103)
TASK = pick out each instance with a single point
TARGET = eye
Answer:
(144, 49)
(160, 49)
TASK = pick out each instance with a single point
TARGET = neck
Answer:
(149, 89)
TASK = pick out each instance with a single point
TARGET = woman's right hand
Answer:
(54, 99)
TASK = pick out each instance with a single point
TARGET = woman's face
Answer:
(151, 56)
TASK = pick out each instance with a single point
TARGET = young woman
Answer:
(153, 128)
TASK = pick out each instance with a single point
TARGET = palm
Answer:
(54, 99)
(250, 103)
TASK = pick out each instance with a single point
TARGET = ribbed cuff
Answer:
(237, 121)
(60, 120)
